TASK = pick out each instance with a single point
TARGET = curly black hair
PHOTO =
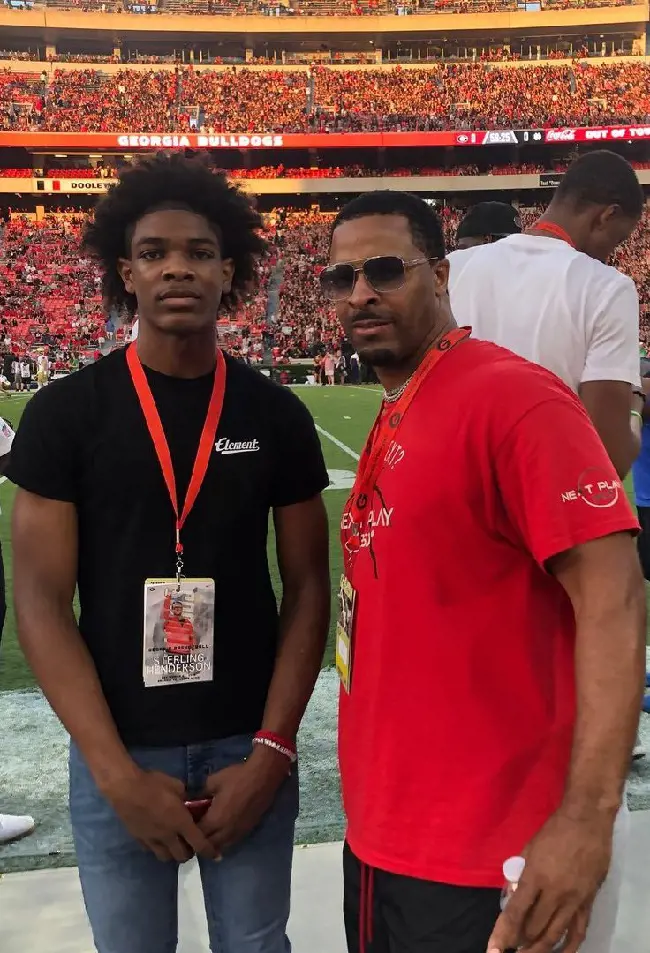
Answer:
(165, 180)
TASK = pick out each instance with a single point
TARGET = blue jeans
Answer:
(132, 898)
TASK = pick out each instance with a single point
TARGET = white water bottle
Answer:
(513, 869)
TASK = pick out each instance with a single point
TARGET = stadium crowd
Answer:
(50, 297)
(105, 171)
(303, 8)
(320, 172)
(444, 50)
(326, 100)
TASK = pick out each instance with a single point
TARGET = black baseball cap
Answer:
(489, 219)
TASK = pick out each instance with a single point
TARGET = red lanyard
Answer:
(385, 429)
(550, 228)
(157, 434)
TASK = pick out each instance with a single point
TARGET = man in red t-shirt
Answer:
(491, 589)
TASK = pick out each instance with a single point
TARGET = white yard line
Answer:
(337, 442)
(3, 479)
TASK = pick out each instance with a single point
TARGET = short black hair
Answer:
(487, 219)
(601, 178)
(426, 228)
(167, 181)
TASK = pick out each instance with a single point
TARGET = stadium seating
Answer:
(457, 96)
(325, 172)
(44, 276)
(305, 7)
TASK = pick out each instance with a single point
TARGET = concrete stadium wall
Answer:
(37, 66)
(416, 183)
(123, 24)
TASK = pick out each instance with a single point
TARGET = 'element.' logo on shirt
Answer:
(595, 488)
(226, 446)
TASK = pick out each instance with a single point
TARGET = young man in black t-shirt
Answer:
(147, 480)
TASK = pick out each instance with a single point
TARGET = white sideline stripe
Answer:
(3, 479)
(337, 442)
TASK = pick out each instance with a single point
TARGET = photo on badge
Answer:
(178, 639)
(344, 625)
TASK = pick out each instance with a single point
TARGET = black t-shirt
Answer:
(84, 440)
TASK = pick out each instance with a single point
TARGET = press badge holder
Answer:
(344, 626)
(178, 642)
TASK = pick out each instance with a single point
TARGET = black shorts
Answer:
(643, 539)
(387, 913)
(3, 598)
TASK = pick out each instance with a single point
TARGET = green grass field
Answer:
(346, 413)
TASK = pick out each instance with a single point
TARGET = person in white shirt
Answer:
(43, 371)
(25, 373)
(12, 826)
(548, 295)
(15, 370)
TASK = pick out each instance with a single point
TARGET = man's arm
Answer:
(612, 371)
(604, 583)
(151, 805)
(610, 405)
(568, 509)
(568, 860)
(644, 408)
(44, 534)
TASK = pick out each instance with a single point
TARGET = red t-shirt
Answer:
(455, 740)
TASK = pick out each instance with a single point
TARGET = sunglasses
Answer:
(383, 273)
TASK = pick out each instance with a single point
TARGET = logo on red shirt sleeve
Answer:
(596, 487)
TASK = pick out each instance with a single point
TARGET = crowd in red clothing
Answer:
(307, 7)
(327, 172)
(327, 100)
(358, 171)
(477, 96)
(50, 297)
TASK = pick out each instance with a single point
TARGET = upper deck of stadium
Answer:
(327, 22)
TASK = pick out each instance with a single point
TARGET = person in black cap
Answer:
(487, 222)
(484, 224)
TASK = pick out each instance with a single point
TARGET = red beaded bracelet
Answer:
(278, 743)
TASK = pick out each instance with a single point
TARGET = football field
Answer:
(33, 746)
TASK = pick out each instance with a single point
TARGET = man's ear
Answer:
(228, 271)
(440, 271)
(607, 214)
(125, 271)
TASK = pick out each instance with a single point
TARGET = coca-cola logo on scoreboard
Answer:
(560, 135)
